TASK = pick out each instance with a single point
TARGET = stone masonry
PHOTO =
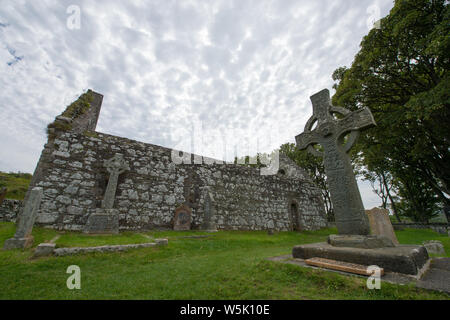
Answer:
(74, 179)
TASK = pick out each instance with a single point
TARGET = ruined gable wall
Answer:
(74, 181)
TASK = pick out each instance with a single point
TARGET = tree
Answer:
(314, 167)
(401, 74)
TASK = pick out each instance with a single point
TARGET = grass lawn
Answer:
(227, 265)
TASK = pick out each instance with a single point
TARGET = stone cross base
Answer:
(103, 221)
(406, 259)
(18, 243)
(360, 241)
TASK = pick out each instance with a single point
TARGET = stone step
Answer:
(341, 266)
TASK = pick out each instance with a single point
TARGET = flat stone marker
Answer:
(103, 221)
(348, 207)
(182, 218)
(44, 249)
(341, 266)
(438, 276)
(380, 224)
(23, 238)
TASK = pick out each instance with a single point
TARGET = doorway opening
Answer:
(295, 216)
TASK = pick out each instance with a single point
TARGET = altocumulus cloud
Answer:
(242, 69)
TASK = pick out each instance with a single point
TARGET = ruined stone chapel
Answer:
(94, 181)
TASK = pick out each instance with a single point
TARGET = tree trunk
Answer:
(394, 208)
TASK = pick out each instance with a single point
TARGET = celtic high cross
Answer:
(330, 132)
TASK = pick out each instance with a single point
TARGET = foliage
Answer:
(16, 182)
(401, 74)
(314, 167)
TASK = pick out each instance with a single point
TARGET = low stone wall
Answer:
(77, 250)
(441, 228)
(10, 209)
(48, 249)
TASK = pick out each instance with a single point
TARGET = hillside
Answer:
(17, 184)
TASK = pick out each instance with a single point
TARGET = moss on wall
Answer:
(73, 111)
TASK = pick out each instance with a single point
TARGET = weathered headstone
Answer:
(182, 218)
(208, 225)
(330, 132)
(23, 238)
(106, 218)
(380, 224)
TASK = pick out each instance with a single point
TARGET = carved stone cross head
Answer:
(330, 128)
(116, 164)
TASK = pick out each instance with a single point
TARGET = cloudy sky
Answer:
(240, 72)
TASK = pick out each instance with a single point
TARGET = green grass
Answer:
(17, 184)
(226, 265)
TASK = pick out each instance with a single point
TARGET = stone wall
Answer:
(437, 227)
(72, 173)
(74, 181)
(9, 210)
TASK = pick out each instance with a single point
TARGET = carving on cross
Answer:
(326, 125)
(115, 166)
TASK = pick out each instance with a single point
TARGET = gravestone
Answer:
(380, 224)
(23, 238)
(182, 218)
(209, 212)
(106, 218)
(354, 243)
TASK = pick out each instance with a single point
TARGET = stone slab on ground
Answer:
(360, 241)
(18, 243)
(406, 259)
(341, 266)
(437, 277)
(113, 248)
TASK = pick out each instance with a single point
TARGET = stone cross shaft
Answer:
(329, 133)
(115, 166)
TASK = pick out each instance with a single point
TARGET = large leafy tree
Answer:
(401, 74)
